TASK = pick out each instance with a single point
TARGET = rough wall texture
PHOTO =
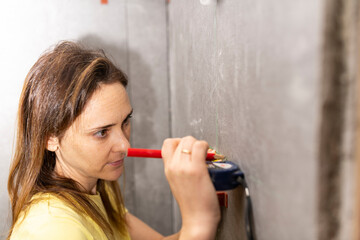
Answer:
(334, 92)
(149, 91)
(337, 175)
(245, 77)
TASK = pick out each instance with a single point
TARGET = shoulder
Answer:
(50, 218)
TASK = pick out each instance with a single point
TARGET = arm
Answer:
(139, 230)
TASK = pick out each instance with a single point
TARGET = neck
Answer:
(87, 185)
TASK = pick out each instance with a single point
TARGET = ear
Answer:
(52, 144)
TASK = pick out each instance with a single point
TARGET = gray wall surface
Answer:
(248, 76)
(149, 90)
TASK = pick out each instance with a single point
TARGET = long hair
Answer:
(54, 94)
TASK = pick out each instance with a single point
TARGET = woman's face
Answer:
(95, 145)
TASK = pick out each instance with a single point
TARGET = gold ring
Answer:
(187, 151)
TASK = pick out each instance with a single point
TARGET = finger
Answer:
(199, 152)
(185, 148)
(168, 148)
(211, 150)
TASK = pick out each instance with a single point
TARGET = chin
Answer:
(114, 175)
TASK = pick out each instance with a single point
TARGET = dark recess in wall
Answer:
(334, 92)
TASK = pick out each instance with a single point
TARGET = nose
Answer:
(120, 142)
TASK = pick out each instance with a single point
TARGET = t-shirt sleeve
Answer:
(52, 228)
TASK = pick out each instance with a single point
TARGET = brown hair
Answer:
(54, 94)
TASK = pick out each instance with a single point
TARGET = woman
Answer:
(72, 138)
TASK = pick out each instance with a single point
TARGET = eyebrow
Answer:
(112, 124)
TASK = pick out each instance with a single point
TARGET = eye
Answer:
(102, 133)
(126, 121)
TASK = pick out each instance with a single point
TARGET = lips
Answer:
(117, 163)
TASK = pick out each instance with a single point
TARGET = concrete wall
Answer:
(133, 33)
(251, 77)
(149, 91)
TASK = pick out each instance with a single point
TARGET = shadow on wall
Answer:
(143, 100)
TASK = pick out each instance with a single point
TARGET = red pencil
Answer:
(153, 153)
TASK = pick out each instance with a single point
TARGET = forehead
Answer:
(109, 104)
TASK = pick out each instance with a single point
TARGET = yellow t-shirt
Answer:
(51, 218)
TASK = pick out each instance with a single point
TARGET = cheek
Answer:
(81, 151)
(91, 157)
(84, 151)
